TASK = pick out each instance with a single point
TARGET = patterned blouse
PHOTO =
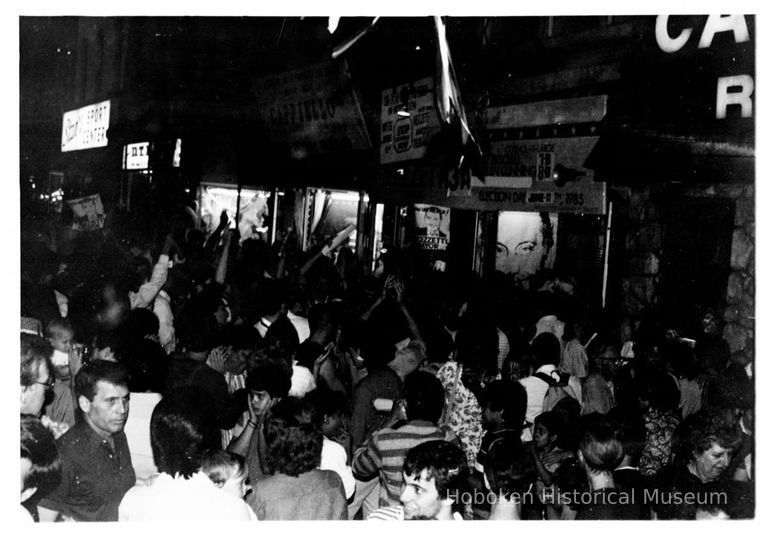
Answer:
(657, 452)
(465, 416)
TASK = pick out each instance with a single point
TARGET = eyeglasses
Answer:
(48, 385)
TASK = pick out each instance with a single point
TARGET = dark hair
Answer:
(600, 445)
(545, 349)
(424, 396)
(181, 429)
(443, 461)
(241, 337)
(99, 370)
(281, 339)
(271, 377)
(39, 446)
(511, 398)
(34, 352)
(220, 466)
(196, 330)
(662, 391)
(506, 467)
(139, 323)
(294, 442)
(700, 431)
(550, 421)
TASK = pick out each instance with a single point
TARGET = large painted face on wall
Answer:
(525, 246)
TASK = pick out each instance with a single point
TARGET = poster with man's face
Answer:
(432, 226)
(526, 243)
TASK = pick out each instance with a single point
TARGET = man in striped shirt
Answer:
(408, 426)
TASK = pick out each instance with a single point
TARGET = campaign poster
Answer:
(526, 243)
(88, 213)
(432, 226)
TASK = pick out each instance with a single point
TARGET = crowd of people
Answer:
(187, 377)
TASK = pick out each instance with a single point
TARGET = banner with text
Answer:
(312, 110)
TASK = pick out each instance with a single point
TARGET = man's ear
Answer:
(27, 493)
(84, 404)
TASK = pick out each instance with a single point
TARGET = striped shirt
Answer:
(384, 452)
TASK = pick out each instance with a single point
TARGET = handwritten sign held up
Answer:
(89, 213)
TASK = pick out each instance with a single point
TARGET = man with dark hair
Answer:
(297, 489)
(434, 475)
(40, 464)
(35, 373)
(266, 384)
(409, 425)
(182, 429)
(196, 331)
(96, 462)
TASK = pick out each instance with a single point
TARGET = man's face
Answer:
(260, 401)
(33, 397)
(711, 463)
(432, 222)
(419, 497)
(108, 411)
(541, 436)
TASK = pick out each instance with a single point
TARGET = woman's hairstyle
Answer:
(181, 429)
(220, 466)
(39, 447)
(294, 442)
(600, 444)
(510, 397)
(702, 430)
(443, 461)
(34, 351)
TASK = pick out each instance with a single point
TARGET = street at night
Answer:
(387, 267)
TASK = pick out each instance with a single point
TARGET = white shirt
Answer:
(137, 433)
(179, 499)
(301, 324)
(302, 381)
(536, 389)
(166, 333)
(333, 457)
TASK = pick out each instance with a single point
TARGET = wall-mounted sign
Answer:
(312, 110)
(408, 120)
(85, 127)
(136, 156)
(433, 224)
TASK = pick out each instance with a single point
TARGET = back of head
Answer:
(241, 337)
(546, 349)
(220, 466)
(34, 351)
(99, 371)
(294, 442)
(424, 396)
(600, 445)
(506, 468)
(281, 339)
(196, 330)
(39, 448)
(270, 377)
(511, 398)
(442, 461)
(181, 429)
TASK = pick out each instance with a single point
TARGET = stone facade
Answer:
(641, 271)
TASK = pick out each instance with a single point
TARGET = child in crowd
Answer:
(547, 457)
(228, 471)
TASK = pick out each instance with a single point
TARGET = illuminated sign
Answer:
(85, 127)
(136, 156)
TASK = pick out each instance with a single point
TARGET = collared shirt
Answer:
(536, 390)
(94, 476)
(384, 452)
